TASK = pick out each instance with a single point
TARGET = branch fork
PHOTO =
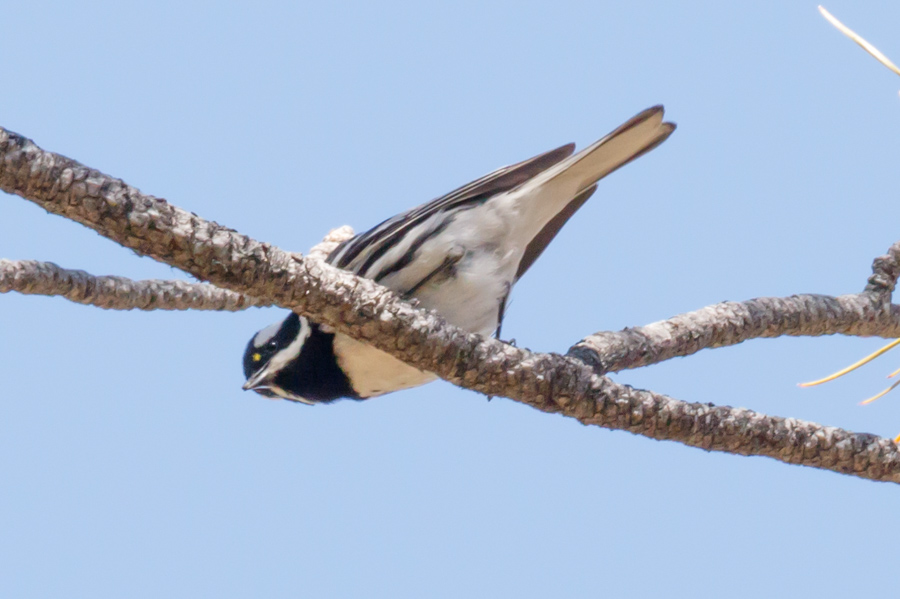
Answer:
(241, 272)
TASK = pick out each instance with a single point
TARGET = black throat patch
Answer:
(315, 374)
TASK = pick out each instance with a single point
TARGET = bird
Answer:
(460, 255)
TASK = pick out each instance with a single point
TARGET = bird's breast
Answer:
(373, 372)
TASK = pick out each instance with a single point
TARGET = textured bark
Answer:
(885, 270)
(730, 323)
(552, 383)
(118, 293)
(31, 277)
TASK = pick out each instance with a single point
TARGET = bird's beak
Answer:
(260, 379)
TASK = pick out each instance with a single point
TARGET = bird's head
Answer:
(270, 355)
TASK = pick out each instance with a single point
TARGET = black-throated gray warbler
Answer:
(459, 255)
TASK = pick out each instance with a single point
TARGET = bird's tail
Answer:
(554, 188)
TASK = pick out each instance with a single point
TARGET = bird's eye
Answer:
(272, 345)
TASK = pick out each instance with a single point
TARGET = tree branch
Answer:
(368, 312)
(730, 323)
(869, 313)
(118, 293)
(885, 271)
(31, 277)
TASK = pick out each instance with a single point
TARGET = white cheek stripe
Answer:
(290, 353)
(285, 395)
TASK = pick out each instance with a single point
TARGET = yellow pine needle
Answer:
(880, 395)
(856, 365)
(877, 55)
(859, 40)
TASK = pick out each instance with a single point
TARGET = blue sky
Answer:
(133, 464)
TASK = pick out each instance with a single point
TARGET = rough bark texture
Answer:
(567, 385)
(730, 323)
(31, 277)
(885, 271)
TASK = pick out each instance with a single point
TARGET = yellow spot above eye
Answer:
(256, 357)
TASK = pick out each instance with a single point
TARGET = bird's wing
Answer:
(359, 253)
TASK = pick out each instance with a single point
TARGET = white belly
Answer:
(372, 371)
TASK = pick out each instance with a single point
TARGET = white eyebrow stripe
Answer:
(289, 353)
(266, 334)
